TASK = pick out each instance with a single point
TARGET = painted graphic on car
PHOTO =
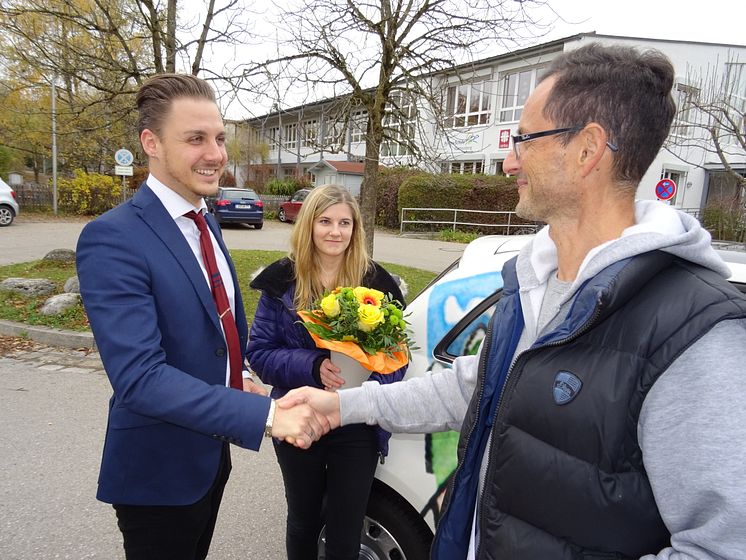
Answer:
(449, 302)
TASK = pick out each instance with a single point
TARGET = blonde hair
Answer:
(303, 252)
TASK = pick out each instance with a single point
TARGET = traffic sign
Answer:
(123, 170)
(665, 189)
(123, 157)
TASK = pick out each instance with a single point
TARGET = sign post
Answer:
(124, 159)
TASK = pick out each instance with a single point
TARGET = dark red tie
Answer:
(221, 299)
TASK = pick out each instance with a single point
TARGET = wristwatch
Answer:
(270, 419)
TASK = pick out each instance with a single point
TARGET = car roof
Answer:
(491, 251)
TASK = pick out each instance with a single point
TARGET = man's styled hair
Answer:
(305, 256)
(156, 94)
(625, 91)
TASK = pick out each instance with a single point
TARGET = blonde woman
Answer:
(327, 250)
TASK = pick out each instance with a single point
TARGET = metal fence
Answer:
(507, 223)
(272, 201)
(36, 196)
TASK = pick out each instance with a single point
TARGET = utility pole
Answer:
(54, 146)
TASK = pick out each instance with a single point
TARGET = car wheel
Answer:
(392, 530)
(281, 215)
(259, 226)
(6, 216)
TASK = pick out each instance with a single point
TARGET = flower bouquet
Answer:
(363, 324)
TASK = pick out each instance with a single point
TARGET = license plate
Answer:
(243, 206)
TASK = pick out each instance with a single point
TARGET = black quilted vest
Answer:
(567, 481)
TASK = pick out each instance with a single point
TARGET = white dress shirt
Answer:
(177, 206)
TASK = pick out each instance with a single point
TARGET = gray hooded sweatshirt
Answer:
(692, 426)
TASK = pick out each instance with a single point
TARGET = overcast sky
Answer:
(713, 21)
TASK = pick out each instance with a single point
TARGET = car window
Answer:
(299, 196)
(466, 336)
(239, 195)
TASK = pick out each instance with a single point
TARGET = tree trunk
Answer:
(369, 187)
(171, 36)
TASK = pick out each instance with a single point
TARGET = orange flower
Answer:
(368, 296)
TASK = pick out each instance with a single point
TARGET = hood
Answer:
(657, 226)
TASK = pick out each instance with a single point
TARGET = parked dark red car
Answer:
(289, 210)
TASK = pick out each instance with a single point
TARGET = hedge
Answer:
(469, 192)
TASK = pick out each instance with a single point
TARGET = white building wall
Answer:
(691, 62)
(458, 146)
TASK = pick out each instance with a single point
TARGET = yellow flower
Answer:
(369, 317)
(330, 305)
(368, 296)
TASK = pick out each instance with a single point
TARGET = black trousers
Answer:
(173, 532)
(338, 469)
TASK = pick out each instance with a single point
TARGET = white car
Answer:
(448, 319)
(8, 206)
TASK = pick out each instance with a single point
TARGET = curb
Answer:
(49, 336)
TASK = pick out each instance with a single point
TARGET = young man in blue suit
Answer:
(152, 282)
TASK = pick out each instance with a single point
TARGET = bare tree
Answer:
(98, 52)
(710, 123)
(378, 55)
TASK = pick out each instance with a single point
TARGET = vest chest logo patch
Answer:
(566, 387)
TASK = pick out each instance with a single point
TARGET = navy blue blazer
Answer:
(161, 343)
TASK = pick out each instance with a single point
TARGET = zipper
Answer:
(480, 388)
(585, 327)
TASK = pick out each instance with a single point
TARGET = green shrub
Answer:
(88, 194)
(387, 194)
(456, 236)
(286, 187)
(725, 221)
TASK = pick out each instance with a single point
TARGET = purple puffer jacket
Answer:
(281, 351)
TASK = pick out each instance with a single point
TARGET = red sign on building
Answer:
(504, 140)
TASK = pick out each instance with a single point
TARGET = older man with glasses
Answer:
(603, 416)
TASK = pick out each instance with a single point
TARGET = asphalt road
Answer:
(52, 422)
(28, 238)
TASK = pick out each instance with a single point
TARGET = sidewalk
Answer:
(53, 358)
(49, 336)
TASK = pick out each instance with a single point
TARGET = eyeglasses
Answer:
(519, 138)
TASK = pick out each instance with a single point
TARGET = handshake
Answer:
(304, 415)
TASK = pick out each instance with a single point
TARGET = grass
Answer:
(457, 236)
(22, 309)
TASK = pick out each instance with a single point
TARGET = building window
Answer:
(290, 136)
(358, 126)
(468, 105)
(309, 133)
(516, 88)
(288, 172)
(334, 134)
(399, 124)
(273, 136)
(462, 167)
(685, 96)
(735, 86)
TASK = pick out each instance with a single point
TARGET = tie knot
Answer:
(198, 218)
